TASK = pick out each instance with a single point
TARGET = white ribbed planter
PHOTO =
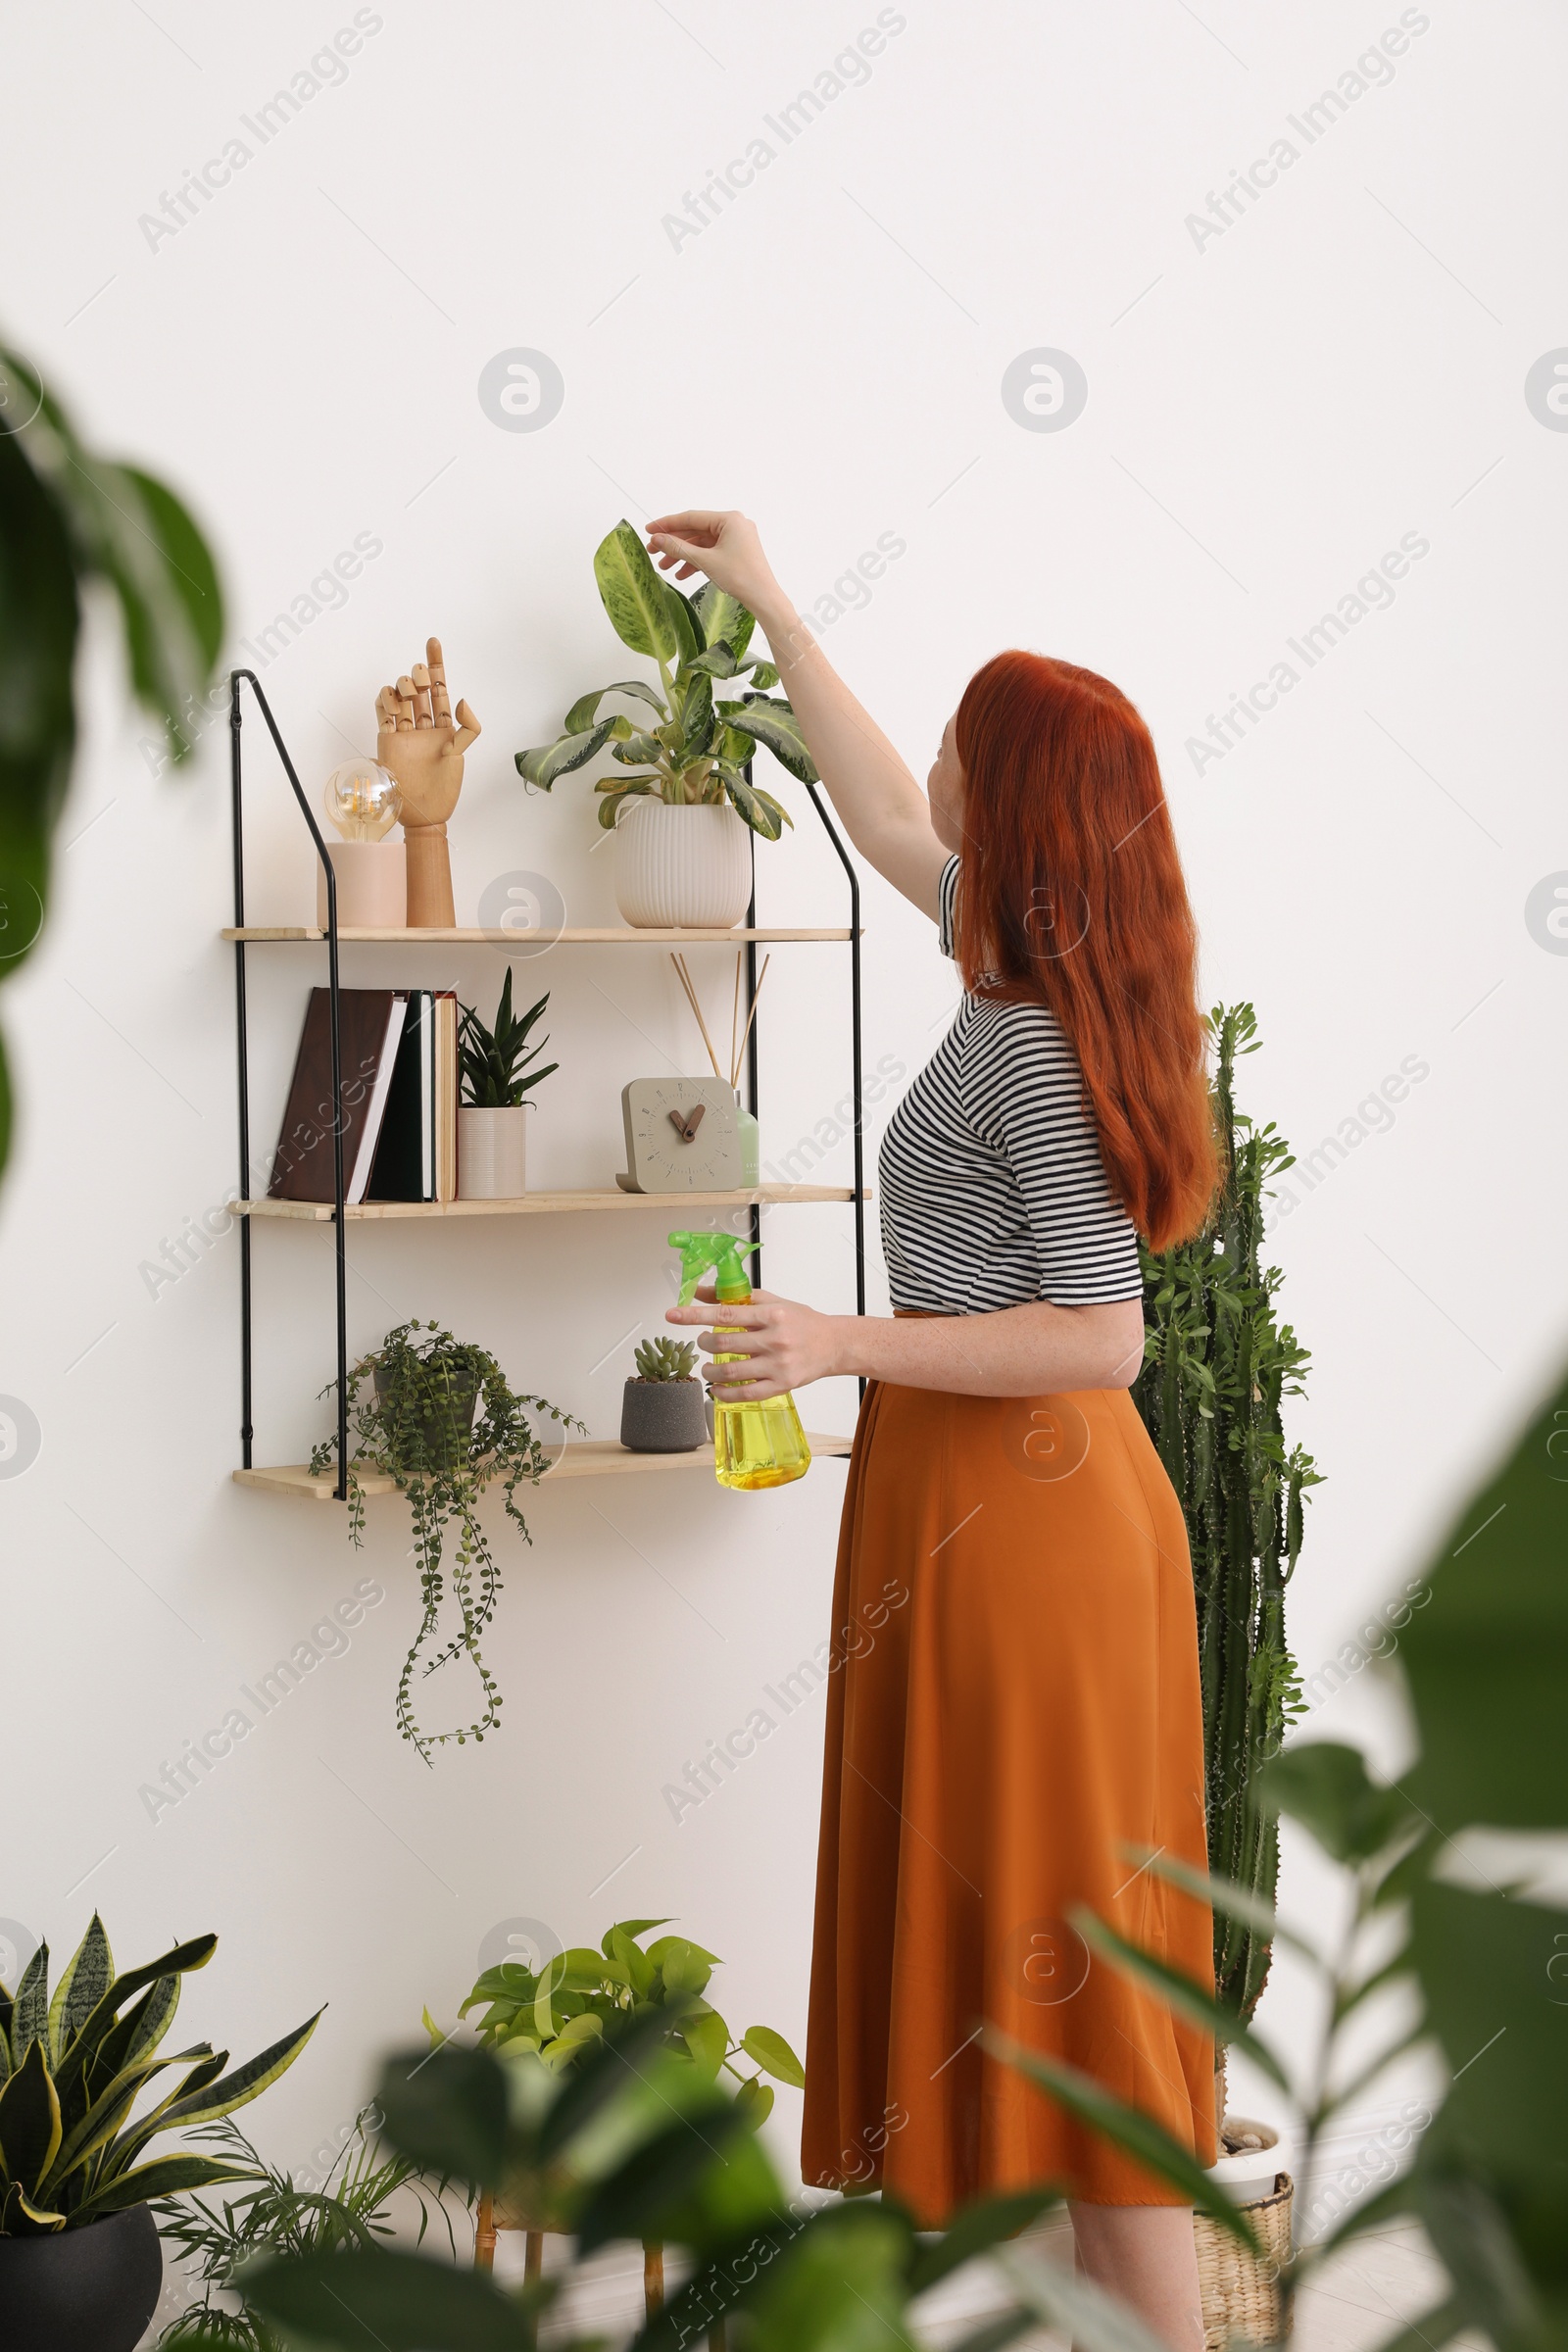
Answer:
(677, 867)
(492, 1153)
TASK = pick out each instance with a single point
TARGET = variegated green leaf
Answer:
(179, 1960)
(540, 768)
(775, 725)
(109, 2110)
(141, 2029)
(763, 813)
(129, 2144)
(618, 790)
(723, 619)
(717, 662)
(29, 2017)
(16, 2206)
(245, 2083)
(689, 639)
(763, 675)
(585, 710)
(30, 2121)
(638, 750)
(633, 594)
(165, 2177)
(87, 1977)
(694, 708)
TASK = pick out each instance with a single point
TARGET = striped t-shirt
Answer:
(992, 1189)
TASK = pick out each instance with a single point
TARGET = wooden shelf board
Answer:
(536, 1204)
(589, 1457)
(265, 934)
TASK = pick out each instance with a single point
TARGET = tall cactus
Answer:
(1218, 1365)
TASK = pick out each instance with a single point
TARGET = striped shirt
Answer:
(992, 1189)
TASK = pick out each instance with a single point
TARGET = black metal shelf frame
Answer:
(239, 677)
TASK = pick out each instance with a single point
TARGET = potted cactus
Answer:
(682, 850)
(79, 2257)
(495, 1063)
(665, 1408)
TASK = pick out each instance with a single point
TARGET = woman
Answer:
(1013, 1741)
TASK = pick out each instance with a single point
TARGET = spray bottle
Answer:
(754, 1445)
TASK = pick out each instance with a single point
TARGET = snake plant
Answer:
(72, 2068)
(694, 751)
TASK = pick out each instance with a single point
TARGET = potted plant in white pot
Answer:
(495, 1066)
(682, 850)
(79, 2257)
(664, 1409)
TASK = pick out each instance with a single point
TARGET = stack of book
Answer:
(397, 1106)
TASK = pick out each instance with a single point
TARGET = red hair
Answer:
(1072, 896)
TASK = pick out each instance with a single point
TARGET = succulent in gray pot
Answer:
(81, 2265)
(664, 1409)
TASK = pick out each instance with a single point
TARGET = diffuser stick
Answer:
(735, 1071)
(685, 979)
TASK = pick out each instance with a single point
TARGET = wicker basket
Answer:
(1240, 2292)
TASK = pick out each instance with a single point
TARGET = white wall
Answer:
(1269, 410)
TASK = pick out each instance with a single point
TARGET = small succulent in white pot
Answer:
(673, 866)
(665, 1408)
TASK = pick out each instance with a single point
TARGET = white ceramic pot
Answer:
(373, 889)
(1249, 2175)
(677, 867)
(492, 1157)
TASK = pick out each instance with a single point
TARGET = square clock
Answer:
(681, 1137)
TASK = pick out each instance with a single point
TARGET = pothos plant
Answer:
(555, 2013)
(694, 750)
(438, 1417)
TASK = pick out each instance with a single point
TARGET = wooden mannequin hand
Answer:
(419, 742)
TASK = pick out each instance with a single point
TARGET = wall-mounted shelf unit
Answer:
(259, 935)
(592, 1457)
(539, 1205)
(597, 1457)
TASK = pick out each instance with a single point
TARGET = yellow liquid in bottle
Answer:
(757, 1444)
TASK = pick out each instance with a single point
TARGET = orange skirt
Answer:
(1016, 1705)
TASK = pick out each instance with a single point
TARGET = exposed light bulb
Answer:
(362, 800)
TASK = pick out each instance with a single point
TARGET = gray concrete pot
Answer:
(664, 1416)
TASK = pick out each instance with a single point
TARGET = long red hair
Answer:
(1073, 894)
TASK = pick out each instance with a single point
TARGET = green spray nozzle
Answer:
(722, 1252)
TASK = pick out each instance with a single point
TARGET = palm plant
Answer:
(695, 751)
(69, 516)
(495, 1062)
(1217, 1366)
(351, 2207)
(72, 2068)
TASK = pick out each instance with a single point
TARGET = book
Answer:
(370, 1024)
(405, 1164)
(447, 1077)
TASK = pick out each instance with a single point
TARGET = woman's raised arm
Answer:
(885, 813)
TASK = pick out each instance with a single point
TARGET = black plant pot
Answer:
(664, 1416)
(92, 2289)
(446, 1422)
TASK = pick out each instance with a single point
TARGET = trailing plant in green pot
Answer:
(1218, 1365)
(79, 2257)
(438, 1417)
(497, 1074)
(683, 854)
